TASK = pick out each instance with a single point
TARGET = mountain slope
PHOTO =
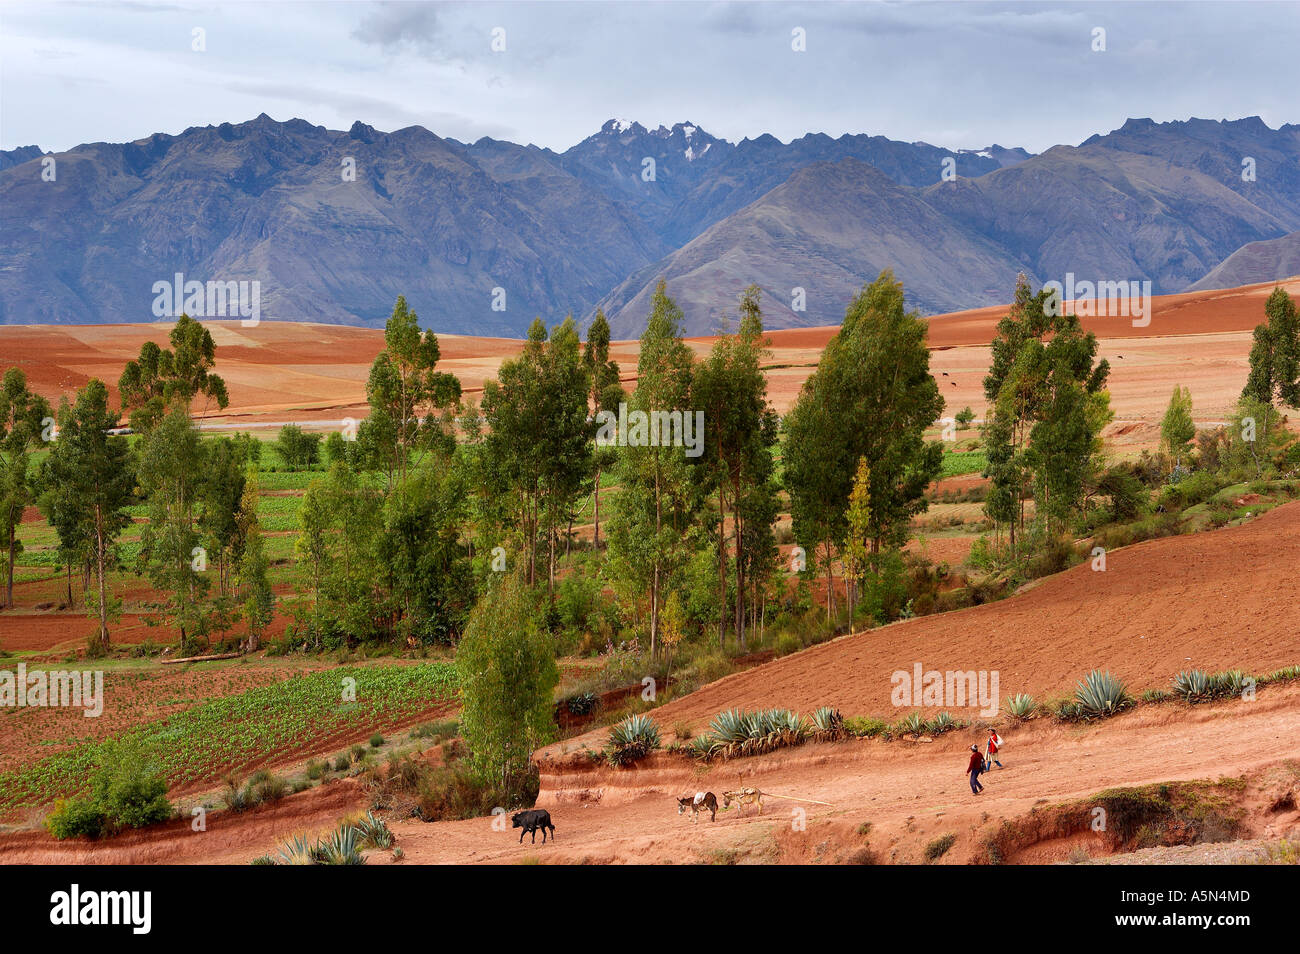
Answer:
(1273, 260)
(829, 229)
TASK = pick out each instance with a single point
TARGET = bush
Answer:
(76, 818)
(376, 740)
(632, 740)
(298, 449)
(787, 644)
(125, 792)
(1100, 694)
(1020, 706)
(865, 728)
(939, 847)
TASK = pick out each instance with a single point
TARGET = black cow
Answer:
(532, 820)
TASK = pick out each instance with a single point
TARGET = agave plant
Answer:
(298, 850)
(828, 724)
(913, 723)
(633, 739)
(941, 723)
(373, 832)
(1192, 685)
(1020, 706)
(1101, 694)
(341, 848)
(1230, 683)
(701, 747)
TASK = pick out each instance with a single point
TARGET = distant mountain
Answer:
(482, 237)
(828, 229)
(13, 157)
(1256, 262)
(268, 201)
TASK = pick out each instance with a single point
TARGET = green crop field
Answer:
(262, 725)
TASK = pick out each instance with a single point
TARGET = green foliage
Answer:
(161, 380)
(1275, 354)
(298, 449)
(204, 741)
(939, 847)
(877, 368)
(1100, 694)
(507, 678)
(1020, 706)
(126, 791)
(632, 740)
(1177, 428)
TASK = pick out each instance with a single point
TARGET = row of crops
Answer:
(260, 725)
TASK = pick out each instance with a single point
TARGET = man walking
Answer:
(991, 753)
(974, 767)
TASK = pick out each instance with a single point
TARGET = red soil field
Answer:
(285, 371)
(1214, 601)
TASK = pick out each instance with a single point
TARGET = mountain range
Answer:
(482, 237)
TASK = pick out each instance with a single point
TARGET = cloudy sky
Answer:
(957, 75)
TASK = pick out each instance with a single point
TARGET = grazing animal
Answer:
(531, 821)
(702, 801)
(743, 797)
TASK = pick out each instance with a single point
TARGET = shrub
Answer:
(632, 740)
(125, 792)
(828, 724)
(1020, 706)
(1101, 694)
(865, 728)
(788, 644)
(376, 740)
(939, 847)
(76, 818)
(1193, 685)
(374, 832)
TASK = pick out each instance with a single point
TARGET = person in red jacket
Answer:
(991, 753)
(974, 767)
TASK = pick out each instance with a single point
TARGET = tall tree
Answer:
(88, 480)
(857, 543)
(507, 675)
(169, 468)
(606, 394)
(1177, 429)
(1275, 354)
(24, 419)
(872, 396)
(539, 436)
(257, 599)
(1045, 388)
(411, 403)
(650, 534)
(161, 378)
(741, 430)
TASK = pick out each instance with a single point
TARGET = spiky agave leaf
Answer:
(1020, 706)
(1101, 694)
(1192, 684)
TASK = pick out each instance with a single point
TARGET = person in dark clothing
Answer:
(974, 767)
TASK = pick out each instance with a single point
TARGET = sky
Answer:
(958, 75)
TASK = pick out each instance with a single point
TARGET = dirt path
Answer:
(909, 793)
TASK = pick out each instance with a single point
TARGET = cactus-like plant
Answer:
(633, 739)
(1101, 694)
(1192, 684)
(1020, 706)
